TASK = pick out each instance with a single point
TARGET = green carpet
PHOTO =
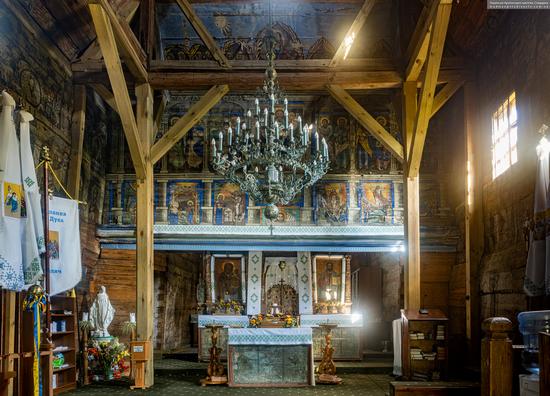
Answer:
(354, 385)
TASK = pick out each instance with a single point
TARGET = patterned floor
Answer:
(354, 385)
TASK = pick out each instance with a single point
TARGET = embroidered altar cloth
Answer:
(276, 336)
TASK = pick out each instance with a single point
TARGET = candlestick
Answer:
(286, 104)
(272, 100)
(213, 147)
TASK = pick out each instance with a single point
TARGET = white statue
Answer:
(101, 314)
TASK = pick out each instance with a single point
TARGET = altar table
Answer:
(226, 321)
(277, 357)
(346, 338)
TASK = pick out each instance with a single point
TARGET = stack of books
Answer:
(440, 332)
(416, 336)
(429, 355)
(416, 354)
(441, 353)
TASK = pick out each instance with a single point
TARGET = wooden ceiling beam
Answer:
(107, 43)
(203, 33)
(418, 48)
(352, 33)
(134, 56)
(426, 100)
(186, 122)
(445, 94)
(127, 11)
(105, 94)
(367, 121)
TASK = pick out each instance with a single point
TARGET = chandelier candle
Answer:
(267, 161)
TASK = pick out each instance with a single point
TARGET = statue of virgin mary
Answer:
(101, 314)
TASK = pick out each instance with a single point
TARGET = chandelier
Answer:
(271, 160)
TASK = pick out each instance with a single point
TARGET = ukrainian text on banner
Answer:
(64, 245)
(11, 268)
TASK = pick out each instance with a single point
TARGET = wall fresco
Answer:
(331, 202)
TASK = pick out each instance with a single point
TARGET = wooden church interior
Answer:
(406, 262)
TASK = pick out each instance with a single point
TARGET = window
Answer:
(505, 136)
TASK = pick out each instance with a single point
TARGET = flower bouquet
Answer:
(107, 358)
(255, 321)
(290, 321)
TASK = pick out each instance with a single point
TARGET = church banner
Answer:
(33, 227)
(304, 282)
(64, 245)
(254, 289)
(11, 190)
(538, 256)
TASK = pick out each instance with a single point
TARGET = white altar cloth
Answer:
(223, 320)
(342, 320)
(266, 336)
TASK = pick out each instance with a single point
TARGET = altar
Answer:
(270, 357)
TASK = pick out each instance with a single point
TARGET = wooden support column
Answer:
(78, 121)
(473, 221)
(8, 339)
(412, 203)
(496, 358)
(144, 227)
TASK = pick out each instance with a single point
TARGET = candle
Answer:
(299, 123)
(286, 104)
(258, 130)
(132, 317)
(238, 126)
(85, 316)
(257, 107)
(325, 147)
(316, 142)
(277, 130)
(291, 133)
(286, 118)
(220, 143)
(272, 100)
(213, 147)
(265, 116)
(230, 135)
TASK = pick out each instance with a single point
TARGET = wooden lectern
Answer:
(139, 353)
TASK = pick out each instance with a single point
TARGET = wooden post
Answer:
(78, 121)
(86, 379)
(544, 363)
(144, 230)
(412, 203)
(348, 284)
(8, 340)
(496, 358)
(473, 222)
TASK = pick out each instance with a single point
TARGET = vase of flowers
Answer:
(107, 358)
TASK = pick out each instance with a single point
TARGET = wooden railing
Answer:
(496, 358)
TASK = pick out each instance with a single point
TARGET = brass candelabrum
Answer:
(215, 371)
(327, 369)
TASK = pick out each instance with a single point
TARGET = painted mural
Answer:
(184, 202)
(336, 131)
(187, 154)
(229, 204)
(331, 202)
(371, 155)
(302, 30)
(376, 201)
(129, 202)
(290, 214)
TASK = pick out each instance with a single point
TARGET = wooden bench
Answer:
(402, 388)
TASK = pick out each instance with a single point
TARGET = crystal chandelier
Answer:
(269, 159)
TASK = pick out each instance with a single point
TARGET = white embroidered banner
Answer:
(64, 245)
(254, 289)
(304, 282)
